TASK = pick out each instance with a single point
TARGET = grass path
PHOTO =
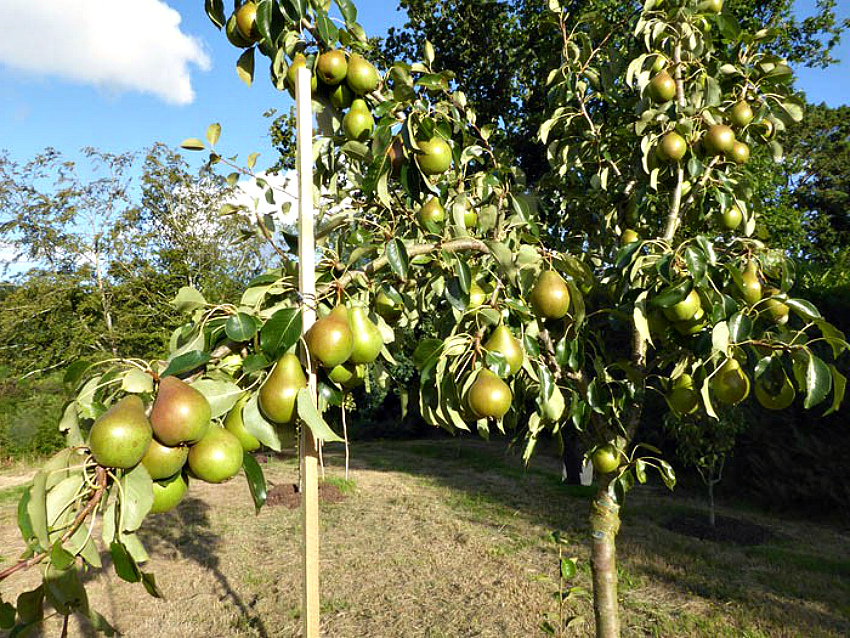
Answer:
(442, 539)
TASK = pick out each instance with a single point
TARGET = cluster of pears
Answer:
(719, 139)
(343, 342)
(175, 441)
(489, 396)
(753, 292)
(687, 316)
(433, 212)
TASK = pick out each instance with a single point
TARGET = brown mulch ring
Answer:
(289, 496)
(726, 529)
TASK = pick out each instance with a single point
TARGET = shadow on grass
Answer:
(186, 531)
(806, 591)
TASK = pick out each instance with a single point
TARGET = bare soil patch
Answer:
(289, 495)
(726, 529)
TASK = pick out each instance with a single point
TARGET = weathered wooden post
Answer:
(307, 288)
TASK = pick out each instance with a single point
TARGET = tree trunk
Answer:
(711, 520)
(604, 525)
(571, 460)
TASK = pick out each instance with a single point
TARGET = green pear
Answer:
(279, 391)
(168, 493)
(751, 284)
(342, 97)
(503, 342)
(216, 457)
(358, 122)
(477, 296)
(332, 67)
(162, 461)
(330, 340)
(348, 375)
(489, 396)
(362, 76)
(236, 426)
(120, 437)
(386, 307)
(550, 296)
(367, 338)
(180, 413)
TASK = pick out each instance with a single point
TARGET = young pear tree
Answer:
(423, 220)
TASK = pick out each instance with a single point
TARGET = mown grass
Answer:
(441, 538)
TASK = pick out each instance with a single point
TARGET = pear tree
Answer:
(534, 330)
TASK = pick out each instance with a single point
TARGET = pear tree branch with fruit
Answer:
(532, 331)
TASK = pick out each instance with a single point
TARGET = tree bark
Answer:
(711, 517)
(604, 525)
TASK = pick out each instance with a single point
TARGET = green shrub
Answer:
(29, 417)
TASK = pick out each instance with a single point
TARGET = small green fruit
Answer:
(489, 396)
(550, 297)
(279, 391)
(342, 97)
(662, 87)
(358, 122)
(730, 384)
(332, 67)
(672, 147)
(719, 139)
(685, 310)
(387, 308)
(731, 218)
(682, 398)
(740, 153)
(432, 211)
(162, 461)
(216, 457)
(362, 76)
(236, 425)
(751, 287)
(477, 296)
(329, 340)
(435, 156)
(605, 459)
(234, 36)
(503, 342)
(120, 437)
(629, 236)
(168, 493)
(246, 21)
(368, 341)
(348, 375)
(741, 114)
(779, 401)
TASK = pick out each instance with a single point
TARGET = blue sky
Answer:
(39, 109)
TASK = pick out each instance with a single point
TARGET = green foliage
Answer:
(512, 93)
(626, 318)
(29, 412)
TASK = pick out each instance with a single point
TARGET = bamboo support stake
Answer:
(307, 288)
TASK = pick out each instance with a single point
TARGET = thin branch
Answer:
(78, 521)
(462, 244)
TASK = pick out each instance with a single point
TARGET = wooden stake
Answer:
(307, 287)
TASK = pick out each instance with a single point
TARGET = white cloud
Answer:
(117, 45)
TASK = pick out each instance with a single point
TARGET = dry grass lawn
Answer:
(451, 539)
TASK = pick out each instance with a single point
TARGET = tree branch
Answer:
(79, 520)
(459, 245)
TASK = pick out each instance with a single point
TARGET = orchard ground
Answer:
(451, 539)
